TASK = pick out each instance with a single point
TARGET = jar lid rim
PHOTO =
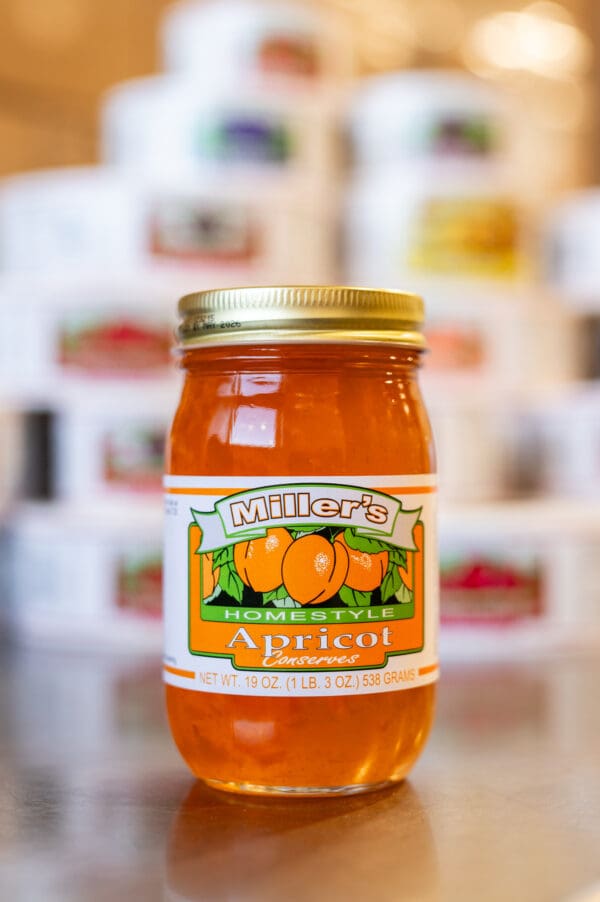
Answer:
(300, 313)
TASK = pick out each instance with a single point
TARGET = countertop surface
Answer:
(96, 804)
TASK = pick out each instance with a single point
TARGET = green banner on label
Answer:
(220, 614)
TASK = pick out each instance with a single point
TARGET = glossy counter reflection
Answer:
(226, 847)
(96, 805)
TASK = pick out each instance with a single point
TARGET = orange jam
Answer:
(300, 570)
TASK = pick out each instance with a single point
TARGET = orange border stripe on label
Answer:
(387, 490)
(188, 674)
(429, 669)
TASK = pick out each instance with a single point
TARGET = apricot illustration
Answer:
(258, 562)
(365, 571)
(210, 577)
(314, 569)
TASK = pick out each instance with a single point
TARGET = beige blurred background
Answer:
(58, 56)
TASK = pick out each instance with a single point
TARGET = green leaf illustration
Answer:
(275, 595)
(391, 583)
(398, 557)
(353, 598)
(297, 531)
(404, 595)
(230, 582)
(223, 556)
(361, 543)
(286, 602)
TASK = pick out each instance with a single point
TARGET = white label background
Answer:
(218, 675)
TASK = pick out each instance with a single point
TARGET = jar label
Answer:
(300, 586)
(246, 138)
(203, 232)
(456, 346)
(465, 235)
(133, 456)
(459, 135)
(491, 587)
(139, 582)
(288, 54)
(112, 344)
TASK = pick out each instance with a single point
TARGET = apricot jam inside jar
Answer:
(301, 589)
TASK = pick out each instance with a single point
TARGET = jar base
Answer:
(299, 791)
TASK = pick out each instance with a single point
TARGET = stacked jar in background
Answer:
(564, 429)
(87, 374)
(436, 204)
(223, 171)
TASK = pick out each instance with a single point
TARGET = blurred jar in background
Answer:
(268, 45)
(81, 220)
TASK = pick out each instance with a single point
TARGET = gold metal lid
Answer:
(294, 313)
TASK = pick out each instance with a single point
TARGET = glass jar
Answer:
(301, 595)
